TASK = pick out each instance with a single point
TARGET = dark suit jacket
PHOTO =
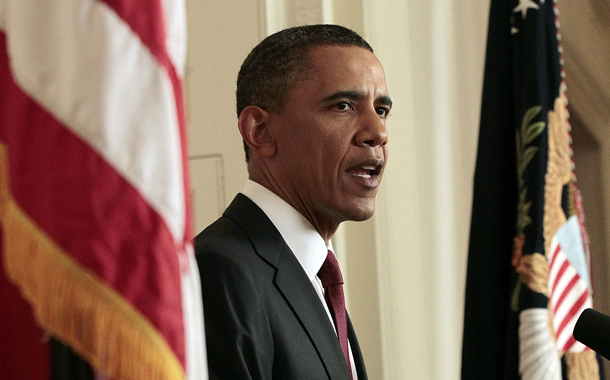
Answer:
(263, 318)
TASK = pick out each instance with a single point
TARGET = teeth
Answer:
(365, 171)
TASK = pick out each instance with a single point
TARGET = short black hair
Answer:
(274, 65)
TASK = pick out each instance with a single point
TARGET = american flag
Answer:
(94, 190)
(569, 284)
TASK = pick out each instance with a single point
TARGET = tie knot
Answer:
(330, 274)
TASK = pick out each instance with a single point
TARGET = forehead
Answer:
(333, 68)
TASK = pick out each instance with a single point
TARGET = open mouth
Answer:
(368, 169)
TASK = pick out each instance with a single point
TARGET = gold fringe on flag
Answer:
(75, 306)
(582, 365)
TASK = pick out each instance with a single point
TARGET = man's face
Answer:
(331, 137)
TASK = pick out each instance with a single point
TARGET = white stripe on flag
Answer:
(572, 288)
(573, 294)
(192, 309)
(175, 16)
(554, 268)
(570, 239)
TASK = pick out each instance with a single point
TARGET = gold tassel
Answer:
(582, 365)
(76, 306)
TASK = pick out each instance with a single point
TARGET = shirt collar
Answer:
(300, 235)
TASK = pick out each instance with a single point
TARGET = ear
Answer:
(254, 128)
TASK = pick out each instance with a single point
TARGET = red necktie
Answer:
(332, 281)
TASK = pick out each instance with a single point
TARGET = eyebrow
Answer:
(385, 100)
(355, 95)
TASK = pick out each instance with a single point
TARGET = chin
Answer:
(361, 213)
(362, 217)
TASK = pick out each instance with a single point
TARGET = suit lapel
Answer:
(300, 294)
(292, 282)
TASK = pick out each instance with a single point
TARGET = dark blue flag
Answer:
(528, 265)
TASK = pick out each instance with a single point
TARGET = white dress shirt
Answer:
(302, 239)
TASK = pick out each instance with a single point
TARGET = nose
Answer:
(372, 130)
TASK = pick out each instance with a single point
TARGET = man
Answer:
(312, 104)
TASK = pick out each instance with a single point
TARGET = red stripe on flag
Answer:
(577, 306)
(563, 268)
(566, 291)
(145, 18)
(555, 254)
(571, 341)
(188, 212)
(89, 210)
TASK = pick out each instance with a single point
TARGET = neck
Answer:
(325, 226)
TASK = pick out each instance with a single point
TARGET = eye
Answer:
(382, 112)
(342, 106)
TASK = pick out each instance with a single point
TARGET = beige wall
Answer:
(220, 35)
(404, 268)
